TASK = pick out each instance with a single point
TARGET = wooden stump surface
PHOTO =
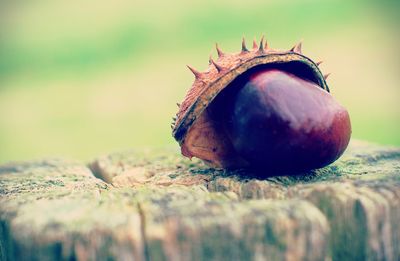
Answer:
(157, 205)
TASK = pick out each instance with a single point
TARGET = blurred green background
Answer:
(83, 78)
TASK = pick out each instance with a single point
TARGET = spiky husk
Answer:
(197, 134)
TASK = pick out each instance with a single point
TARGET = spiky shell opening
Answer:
(194, 128)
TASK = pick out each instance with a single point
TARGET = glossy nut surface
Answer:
(278, 121)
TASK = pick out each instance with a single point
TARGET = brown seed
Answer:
(278, 121)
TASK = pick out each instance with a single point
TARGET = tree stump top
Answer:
(157, 205)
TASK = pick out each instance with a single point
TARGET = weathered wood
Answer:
(157, 205)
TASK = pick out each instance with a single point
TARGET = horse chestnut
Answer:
(276, 120)
(263, 109)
